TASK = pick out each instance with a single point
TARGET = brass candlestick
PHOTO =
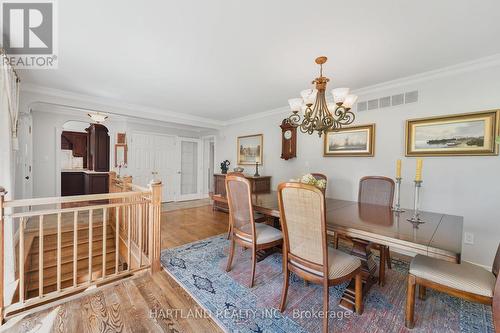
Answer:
(415, 219)
(397, 206)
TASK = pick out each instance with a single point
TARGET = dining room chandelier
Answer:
(318, 114)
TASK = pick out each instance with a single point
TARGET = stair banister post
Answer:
(2, 252)
(111, 189)
(155, 226)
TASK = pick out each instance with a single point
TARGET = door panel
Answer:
(155, 153)
(191, 166)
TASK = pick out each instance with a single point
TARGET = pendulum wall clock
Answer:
(288, 140)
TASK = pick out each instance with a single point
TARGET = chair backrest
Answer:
(496, 293)
(376, 190)
(303, 222)
(239, 199)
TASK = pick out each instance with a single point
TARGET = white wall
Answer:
(466, 186)
(47, 128)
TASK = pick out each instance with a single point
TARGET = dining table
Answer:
(437, 235)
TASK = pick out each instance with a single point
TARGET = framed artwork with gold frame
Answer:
(350, 141)
(467, 134)
(250, 149)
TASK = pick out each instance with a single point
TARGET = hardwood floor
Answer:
(189, 225)
(143, 303)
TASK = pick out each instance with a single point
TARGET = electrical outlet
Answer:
(469, 238)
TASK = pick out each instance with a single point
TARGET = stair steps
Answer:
(50, 258)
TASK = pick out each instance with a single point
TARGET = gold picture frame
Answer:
(466, 134)
(250, 149)
(354, 141)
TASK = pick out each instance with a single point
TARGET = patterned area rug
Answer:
(200, 268)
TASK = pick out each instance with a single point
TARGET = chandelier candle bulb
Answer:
(340, 95)
(295, 104)
(349, 101)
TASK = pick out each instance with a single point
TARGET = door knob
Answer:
(27, 177)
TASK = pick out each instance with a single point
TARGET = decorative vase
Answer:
(224, 166)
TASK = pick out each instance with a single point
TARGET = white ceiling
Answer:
(223, 59)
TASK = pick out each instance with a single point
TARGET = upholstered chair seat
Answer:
(339, 264)
(464, 280)
(263, 233)
(465, 276)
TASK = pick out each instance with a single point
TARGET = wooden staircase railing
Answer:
(128, 219)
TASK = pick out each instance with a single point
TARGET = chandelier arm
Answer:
(294, 119)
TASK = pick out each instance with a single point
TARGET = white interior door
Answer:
(191, 168)
(25, 159)
(155, 153)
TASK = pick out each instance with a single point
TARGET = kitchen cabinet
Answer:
(98, 144)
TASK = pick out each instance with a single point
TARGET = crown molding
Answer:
(123, 109)
(486, 62)
(481, 63)
(258, 115)
(80, 114)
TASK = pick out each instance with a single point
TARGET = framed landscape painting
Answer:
(250, 149)
(350, 141)
(456, 135)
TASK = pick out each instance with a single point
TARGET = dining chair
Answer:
(468, 281)
(257, 216)
(305, 248)
(244, 231)
(376, 190)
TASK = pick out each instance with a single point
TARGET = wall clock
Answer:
(288, 140)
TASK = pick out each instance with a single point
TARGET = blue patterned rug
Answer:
(200, 268)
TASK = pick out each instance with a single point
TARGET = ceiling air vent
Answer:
(373, 104)
(388, 101)
(398, 99)
(411, 97)
(362, 106)
(384, 102)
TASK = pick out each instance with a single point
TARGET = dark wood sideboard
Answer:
(261, 184)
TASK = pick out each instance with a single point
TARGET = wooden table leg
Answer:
(361, 250)
(381, 267)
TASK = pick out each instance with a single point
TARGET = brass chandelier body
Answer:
(318, 117)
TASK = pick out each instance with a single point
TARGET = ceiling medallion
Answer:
(318, 115)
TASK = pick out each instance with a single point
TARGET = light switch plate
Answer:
(469, 238)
